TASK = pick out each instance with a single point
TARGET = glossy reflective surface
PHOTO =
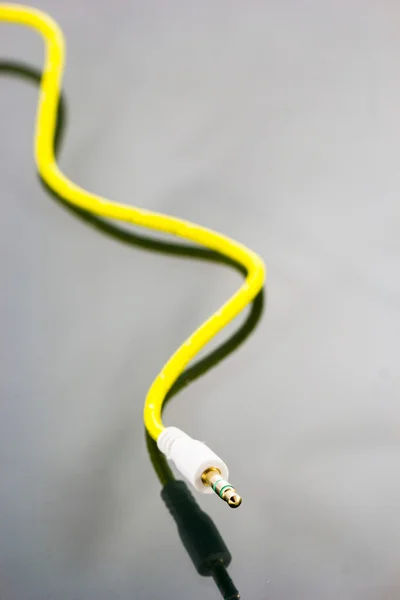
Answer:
(277, 123)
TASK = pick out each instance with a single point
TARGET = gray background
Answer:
(277, 123)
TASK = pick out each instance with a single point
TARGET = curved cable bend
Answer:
(45, 128)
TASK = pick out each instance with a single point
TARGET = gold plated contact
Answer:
(212, 478)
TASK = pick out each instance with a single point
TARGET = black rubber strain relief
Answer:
(197, 531)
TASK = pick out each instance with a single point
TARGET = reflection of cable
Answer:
(206, 471)
(200, 537)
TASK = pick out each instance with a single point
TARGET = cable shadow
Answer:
(20, 70)
(182, 250)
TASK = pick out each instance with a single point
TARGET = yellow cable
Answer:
(45, 160)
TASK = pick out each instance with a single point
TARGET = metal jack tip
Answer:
(212, 478)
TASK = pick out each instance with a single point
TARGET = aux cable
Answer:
(202, 467)
(197, 531)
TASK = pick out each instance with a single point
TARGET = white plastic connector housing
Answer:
(191, 457)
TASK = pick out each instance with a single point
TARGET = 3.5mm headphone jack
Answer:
(205, 470)
(212, 478)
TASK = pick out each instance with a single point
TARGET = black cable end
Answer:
(200, 537)
(224, 582)
(197, 530)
